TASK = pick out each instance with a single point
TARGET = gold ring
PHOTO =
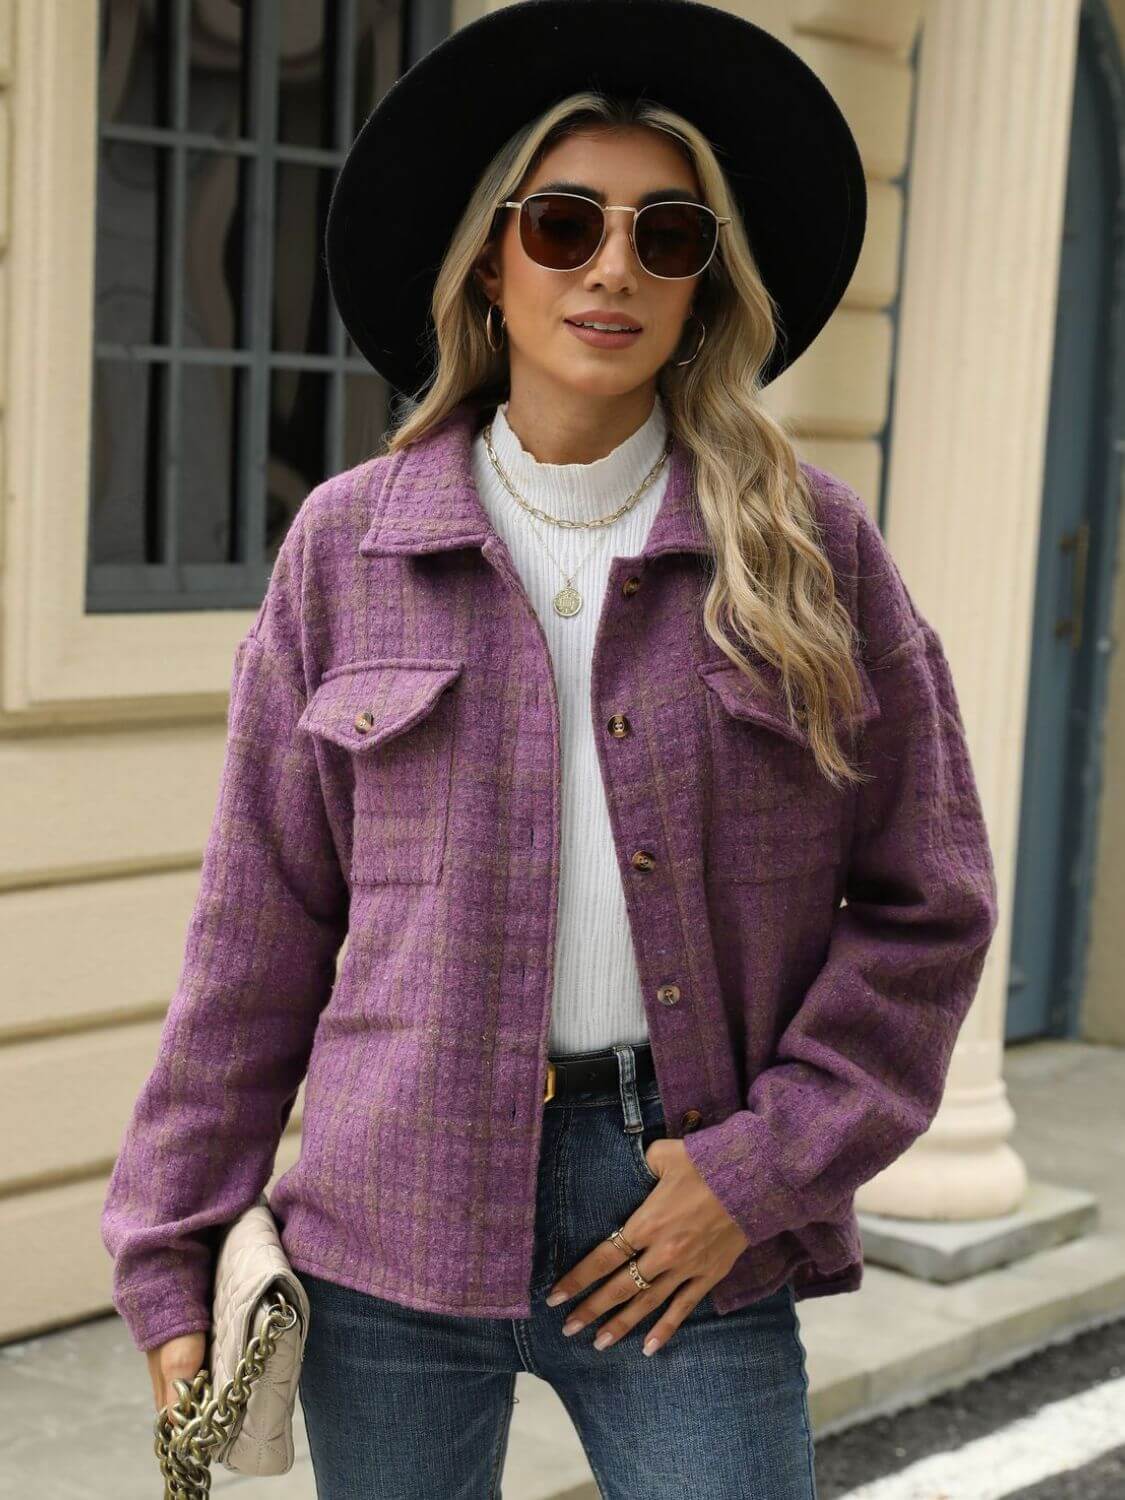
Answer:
(621, 1242)
(637, 1277)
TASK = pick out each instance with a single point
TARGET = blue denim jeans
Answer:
(404, 1404)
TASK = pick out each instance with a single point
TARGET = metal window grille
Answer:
(224, 385)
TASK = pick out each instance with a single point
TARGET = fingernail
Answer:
(555, 1298)
(651, 1346)
(573, 1326)
(603, 1339)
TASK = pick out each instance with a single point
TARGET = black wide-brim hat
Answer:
(790, 159)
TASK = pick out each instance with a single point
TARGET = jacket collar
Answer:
(430, 503)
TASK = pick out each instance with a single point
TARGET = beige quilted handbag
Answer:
(242, 1413)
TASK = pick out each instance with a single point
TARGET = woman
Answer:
(577, 711)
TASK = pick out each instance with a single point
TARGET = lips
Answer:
(602, 338)
(596, 317)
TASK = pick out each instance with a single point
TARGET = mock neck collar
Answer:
(581, 491)
(423, 497)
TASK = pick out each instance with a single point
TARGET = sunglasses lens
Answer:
(675, 239)
(562, 232)
(558, 231)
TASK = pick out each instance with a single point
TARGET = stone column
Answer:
(975, 340)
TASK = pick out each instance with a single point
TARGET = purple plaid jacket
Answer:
(392, 778)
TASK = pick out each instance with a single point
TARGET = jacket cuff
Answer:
(160, 1310)
(729, 1159)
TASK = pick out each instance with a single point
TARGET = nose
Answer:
(615, 260)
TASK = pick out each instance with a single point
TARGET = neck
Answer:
(556, 431)
(582, 490)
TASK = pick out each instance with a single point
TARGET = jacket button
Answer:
(668, 994)
(643, 860)
(691, 1119)
(364, 720)
(630, 586)
(618, 726)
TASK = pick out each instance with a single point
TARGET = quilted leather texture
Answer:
(251, 1261)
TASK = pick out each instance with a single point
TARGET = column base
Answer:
(951, 1250)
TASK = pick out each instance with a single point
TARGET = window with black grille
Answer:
(224, 384)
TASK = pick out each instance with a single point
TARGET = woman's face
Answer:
(545, 352)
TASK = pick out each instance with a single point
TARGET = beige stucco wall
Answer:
(111, 731)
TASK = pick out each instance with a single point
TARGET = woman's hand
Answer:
(684, 1237)
(180, 1358)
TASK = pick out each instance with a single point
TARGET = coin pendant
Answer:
(568, 601)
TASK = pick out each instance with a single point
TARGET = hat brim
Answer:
(789, 156)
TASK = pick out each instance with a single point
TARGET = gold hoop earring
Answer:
(492, 307)
(702, 336)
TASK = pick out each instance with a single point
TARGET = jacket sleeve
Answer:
(258, 967)
(861, 1066)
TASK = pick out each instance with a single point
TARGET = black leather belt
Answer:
(579, 1071)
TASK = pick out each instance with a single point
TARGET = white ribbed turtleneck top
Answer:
(597, 988)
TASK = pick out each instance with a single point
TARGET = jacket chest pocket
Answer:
(395, 718)
(775, 816)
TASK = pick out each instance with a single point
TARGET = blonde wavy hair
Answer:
(772, 586)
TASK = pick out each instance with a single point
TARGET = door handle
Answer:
(1076, 542)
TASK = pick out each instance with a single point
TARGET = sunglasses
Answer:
(564, 231)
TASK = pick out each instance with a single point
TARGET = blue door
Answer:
(1077, 541)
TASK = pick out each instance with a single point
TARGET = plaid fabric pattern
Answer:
(376, 911)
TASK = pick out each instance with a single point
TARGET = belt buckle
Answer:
(550, 1093)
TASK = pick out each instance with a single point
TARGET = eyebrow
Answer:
(657, 195)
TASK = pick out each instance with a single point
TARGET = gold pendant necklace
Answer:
(567, 601)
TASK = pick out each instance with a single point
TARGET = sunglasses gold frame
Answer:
(628, 208)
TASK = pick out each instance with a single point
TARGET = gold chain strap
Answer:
(189, 1432)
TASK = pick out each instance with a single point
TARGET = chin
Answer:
(608, 383)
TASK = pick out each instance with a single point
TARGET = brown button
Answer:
(630, 586)
(643, 860)
(618, 726)
(691, 1119)
(668, 994)
(364, 720)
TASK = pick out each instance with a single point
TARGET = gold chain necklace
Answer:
(567, 600)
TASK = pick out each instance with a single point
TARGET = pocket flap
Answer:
(765, 704)
(366, 703)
